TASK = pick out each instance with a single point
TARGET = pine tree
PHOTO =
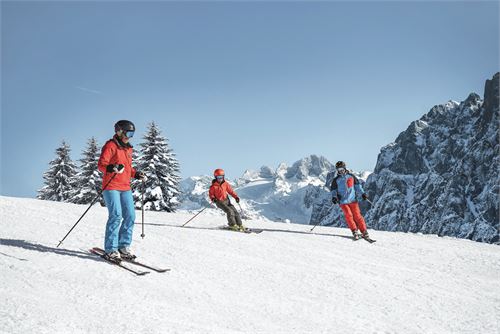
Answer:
(60, 176)
(158, 161)
(88, 181)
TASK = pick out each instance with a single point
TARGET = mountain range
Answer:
(440, 176)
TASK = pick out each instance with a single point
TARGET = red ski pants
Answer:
(353, 217)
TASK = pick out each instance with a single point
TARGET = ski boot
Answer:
(126, 254)
(241, 228)
(113, 256)
(233, 227)
(365, 235)
(356, 235)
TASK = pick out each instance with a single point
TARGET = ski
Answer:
(139, 263)
(246, 230)
(119, 264)
(370, 240)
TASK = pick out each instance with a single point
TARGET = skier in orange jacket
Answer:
(116, 164)
(219, 194)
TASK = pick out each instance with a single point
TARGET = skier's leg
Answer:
(348, 217)
(358, 217)
(112, 200)
(128, 211)
(224, 206)
(236, 214)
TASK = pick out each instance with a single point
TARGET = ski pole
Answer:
(93, 202)
(243, 215)
(142, 208)
(194, 217)
(320, 220)
(369, 201)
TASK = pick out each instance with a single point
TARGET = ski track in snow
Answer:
(284, 280)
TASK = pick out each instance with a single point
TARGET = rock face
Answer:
(442, 174)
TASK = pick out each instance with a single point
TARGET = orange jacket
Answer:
(219, 191)
(114, 153)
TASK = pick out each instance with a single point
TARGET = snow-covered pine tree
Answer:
(158, 161)
(60, 176)
(88, 181)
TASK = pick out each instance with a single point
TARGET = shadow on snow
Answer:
(45, 249)
(257, 228)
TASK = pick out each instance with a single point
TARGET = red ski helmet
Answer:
(219, 172)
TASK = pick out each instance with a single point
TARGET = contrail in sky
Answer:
(88, 90)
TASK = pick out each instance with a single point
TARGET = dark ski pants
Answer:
(233, 216)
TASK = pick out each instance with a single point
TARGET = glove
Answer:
(119, 168)
(335, 200)
(237, 199)
(141, 176)
(214, 200)
(364, 196)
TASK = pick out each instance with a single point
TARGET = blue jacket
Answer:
(346, 187)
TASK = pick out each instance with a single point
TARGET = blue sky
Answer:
(235, 85)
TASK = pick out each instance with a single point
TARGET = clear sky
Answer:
(235, 85)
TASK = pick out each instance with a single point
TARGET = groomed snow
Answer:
(284, 280)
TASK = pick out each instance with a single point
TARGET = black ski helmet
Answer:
(124, 126)
(340, 164)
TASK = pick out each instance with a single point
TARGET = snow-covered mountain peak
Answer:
(282, 170)
(266, 172)
(311, 166)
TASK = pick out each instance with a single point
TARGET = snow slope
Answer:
(284, 280)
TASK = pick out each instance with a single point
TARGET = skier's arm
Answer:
(231, 192)
(358, 188)
(211, 194)
(334, 187)
(107, 153)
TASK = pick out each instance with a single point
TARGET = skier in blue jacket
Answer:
(345, 190)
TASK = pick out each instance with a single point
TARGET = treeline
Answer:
(64, 181)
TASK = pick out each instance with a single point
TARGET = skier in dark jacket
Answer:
(345, 190)
(219, 194)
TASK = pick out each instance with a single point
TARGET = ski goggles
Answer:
(129, 134)
(220, 177)
(341, 170)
